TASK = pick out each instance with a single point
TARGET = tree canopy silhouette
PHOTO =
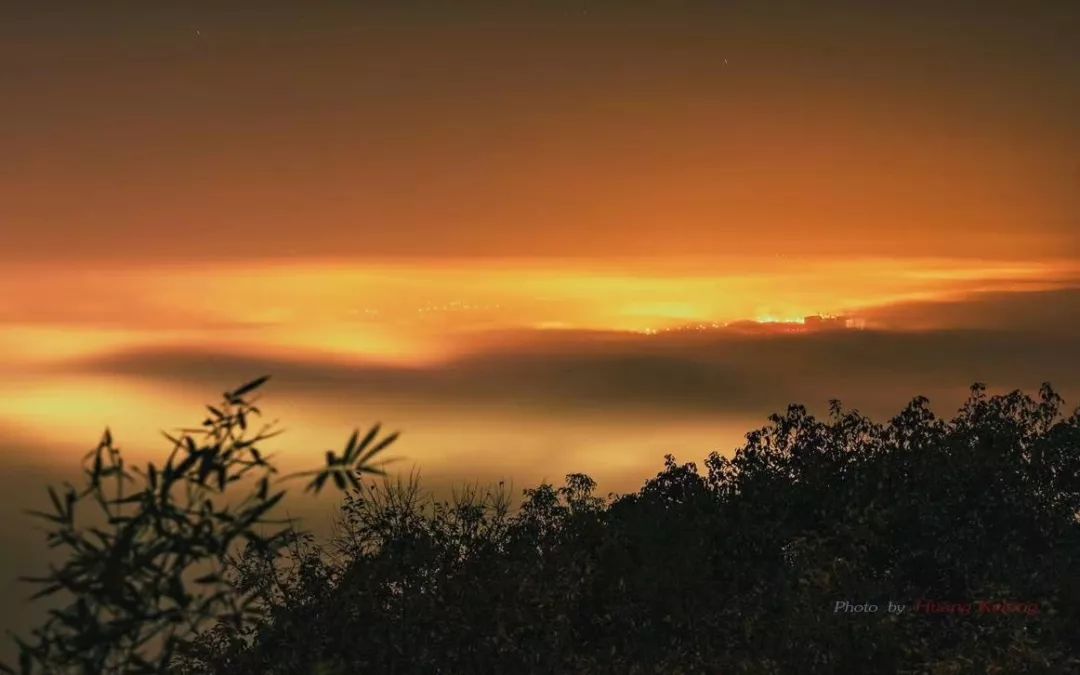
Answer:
(742, 568)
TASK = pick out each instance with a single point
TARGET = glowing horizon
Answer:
(422, 311)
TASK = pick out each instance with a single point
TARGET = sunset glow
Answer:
(423, 314)
(537, 238)
(419, 311)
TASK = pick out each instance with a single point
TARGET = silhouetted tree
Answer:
(151, 565)
(737, 570)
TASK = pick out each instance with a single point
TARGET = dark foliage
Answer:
(735, 571)
(148, 553)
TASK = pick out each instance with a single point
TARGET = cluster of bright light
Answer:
(456, 306)
(712, 325)
(768, 318)
(801, 324)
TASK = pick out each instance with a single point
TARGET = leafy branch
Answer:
(146, 568)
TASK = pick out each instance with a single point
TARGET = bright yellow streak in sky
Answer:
(411, 312)
(417, 311)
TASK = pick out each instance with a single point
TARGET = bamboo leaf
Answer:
(249, 387)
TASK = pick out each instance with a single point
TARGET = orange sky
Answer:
(423, 310)
(406, 185)
(573, 129)
(468, 354)
(537, 237)
(422, 190)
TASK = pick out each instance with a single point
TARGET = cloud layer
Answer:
(1010, 342)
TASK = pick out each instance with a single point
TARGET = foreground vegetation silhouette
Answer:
(744, 568)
